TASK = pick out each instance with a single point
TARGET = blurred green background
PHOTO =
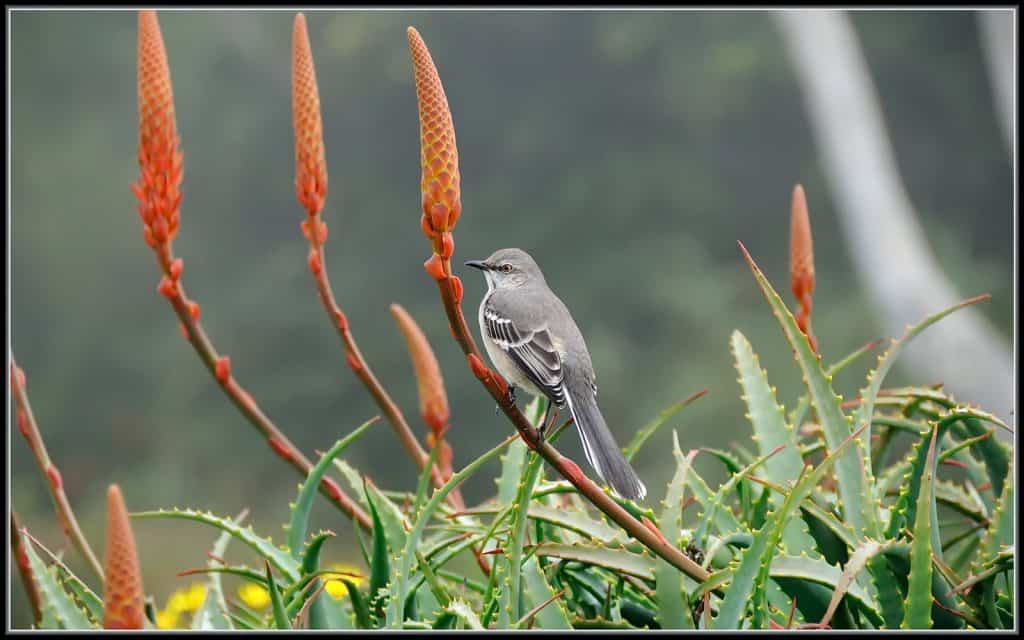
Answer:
(627, 151)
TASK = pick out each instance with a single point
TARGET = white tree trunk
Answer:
(887, 244)
(997, 41)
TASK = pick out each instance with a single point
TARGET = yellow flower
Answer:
(195, 596)
(336, 588)
(167, 619)
(177, 602)
(254, 596)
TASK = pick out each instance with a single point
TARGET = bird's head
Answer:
(507, 268)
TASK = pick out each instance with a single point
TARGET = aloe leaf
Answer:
(360, 607)
(296, 595)
(955, 497)
(648, 430)
(858, 559)
(887, 586)
(885, 361)
(733, 466)
(461, 610)
(770, 432)
(944, 612)
(640, 565)
(537, 591)
(1000, 531)
(865, 410)
(722, 519)
(903, 512)
(60, 609)
(815, 570)
(995, 454)
(280, 617)
(84, 596)
(241, 571)
(449, 552)
(311, 553)
(441, 594)
(213, 614)
(572, 520)
(917, 610)
(832, 537)
(672, 610)
(380, 565)
(714, 502)
(307, 491)
(354, 480)
(511, 608)
(518, 469)
(328, 613)
(512, 465)
(796, 416)
(859, 507)
(280, 558)
(395, 522)
(756, 561)
(1004, 561)
(400, 579)
(424, 482)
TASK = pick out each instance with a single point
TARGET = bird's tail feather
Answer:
(599, 444)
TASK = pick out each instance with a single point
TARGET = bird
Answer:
(534, 343)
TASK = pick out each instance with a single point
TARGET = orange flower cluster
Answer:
(433, 398)
(801, 262)
(160, 161)
(439, 155)
(310, 160)
(122, 584)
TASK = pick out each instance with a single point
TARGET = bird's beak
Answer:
(477, 264)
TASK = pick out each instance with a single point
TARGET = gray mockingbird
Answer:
(535, 345)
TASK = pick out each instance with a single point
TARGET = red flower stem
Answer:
(245, 403)
(21, 559)
(30, 429)
(566, 467)
(362, 370)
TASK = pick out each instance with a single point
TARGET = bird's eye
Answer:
(506, 268)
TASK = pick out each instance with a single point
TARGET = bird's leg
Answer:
(511, 398)
(549, 419)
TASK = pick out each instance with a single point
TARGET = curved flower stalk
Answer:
(430, 385)
(158, 191)
(801, 262)
(123, 606)
(28, 427)
(311, 192)
(441, 210)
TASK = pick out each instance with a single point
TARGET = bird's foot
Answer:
(511, 398)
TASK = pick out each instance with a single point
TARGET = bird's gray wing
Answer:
(530, 348)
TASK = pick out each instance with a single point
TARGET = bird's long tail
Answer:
(599, 444)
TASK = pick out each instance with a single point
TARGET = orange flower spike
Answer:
(310, 161)
(801, 260)
(433, 399)
(438, 152)
(122, 586)
(160, 161)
